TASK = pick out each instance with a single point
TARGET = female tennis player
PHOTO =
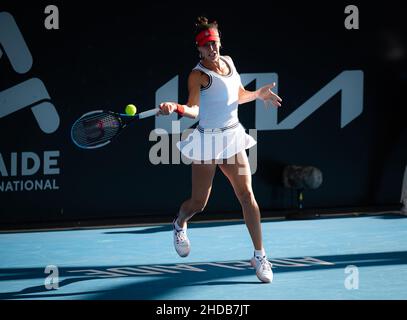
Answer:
(215, 91)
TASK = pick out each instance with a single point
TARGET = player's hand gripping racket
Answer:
(96, 129)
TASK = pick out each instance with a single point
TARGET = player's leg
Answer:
(239, 175)
(202, 177)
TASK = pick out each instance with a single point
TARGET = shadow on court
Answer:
(195, 225)
(168, 227)
(164, 284)
(391, 216)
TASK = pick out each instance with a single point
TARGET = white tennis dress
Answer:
(219, 134)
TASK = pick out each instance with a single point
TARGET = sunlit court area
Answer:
(325, 258)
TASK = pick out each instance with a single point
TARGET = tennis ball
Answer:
(130, 109)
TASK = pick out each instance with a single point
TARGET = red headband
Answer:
(204, 36)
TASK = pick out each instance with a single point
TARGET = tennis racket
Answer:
(96, 129)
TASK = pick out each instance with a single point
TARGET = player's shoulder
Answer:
(229, 58)
(196, 76)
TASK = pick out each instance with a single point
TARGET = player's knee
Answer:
(246, 197)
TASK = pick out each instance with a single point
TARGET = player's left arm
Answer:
(264, 93)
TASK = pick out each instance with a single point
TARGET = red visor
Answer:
(204, 36)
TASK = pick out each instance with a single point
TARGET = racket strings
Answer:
(95, 129)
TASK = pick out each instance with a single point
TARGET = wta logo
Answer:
(29, 93)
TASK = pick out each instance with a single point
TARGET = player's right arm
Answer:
(191, 108)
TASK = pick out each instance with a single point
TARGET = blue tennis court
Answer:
(335, 257)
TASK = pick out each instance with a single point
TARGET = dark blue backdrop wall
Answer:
(343, 87)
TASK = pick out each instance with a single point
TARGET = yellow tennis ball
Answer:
(131, 109)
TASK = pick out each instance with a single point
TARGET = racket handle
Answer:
(148, 113)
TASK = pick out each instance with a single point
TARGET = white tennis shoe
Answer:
(181, 241)
(263, 268)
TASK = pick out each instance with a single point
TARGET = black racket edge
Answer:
(123, 120)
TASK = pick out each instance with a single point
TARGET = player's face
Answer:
(210, 50)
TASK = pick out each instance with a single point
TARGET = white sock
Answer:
(260, 253)
(177, 227)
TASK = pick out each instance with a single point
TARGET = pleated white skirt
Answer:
(214, 144)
